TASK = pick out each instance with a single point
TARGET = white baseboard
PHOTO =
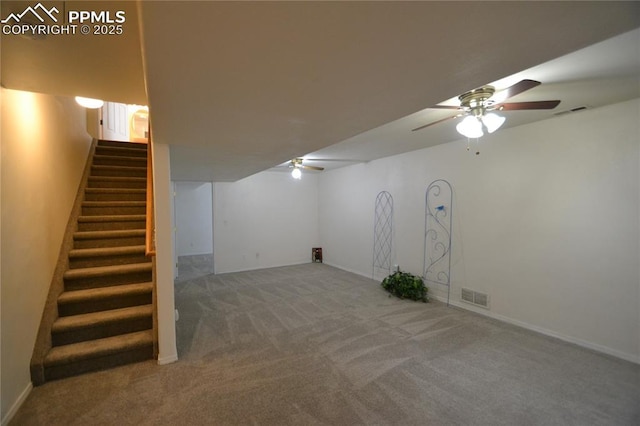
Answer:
(277, 265)
(583, 343)
(167, 359)
(353, 271)
(16, 405)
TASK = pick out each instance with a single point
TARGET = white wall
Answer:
(194, 218)
(545, 221)
(165, 253)
(44, 152)
(266, 220)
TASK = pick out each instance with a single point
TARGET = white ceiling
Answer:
(604, 73)
(240, 87)
(237, 88)
(103, 67)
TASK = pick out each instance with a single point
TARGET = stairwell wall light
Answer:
(89, 102)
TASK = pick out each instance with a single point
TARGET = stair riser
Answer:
(115, 196)
(117, 144)
(105, 304)
(129, 325)
(120, 161)
(108, 242)
(123, 152)
(97, 171)
(87, 262)
(116, 183)
(55, 372)
(111, 226)
(102, 211)
(106, 280)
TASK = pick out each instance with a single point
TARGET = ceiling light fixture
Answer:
(472, 126)
(89, 102)
(296, 173)
(479, 105)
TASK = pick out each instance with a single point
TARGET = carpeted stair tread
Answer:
(120, 233)
(98, 348)
(95, 319)
(115, 194)
(117, 179)
(106, 251)
(119, 144)
(93, 294)
(118, 170)
(112, 218)
(114, 203)
(121, 151)
(101, 271)
(115, 191)
(136, 159)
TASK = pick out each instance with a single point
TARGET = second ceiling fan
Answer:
(297, 166)
(478, 107)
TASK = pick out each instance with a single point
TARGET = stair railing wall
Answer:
(150, 239)
(150, 243)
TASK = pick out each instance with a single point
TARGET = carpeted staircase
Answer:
(105, 310)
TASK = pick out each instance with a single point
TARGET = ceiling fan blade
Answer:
(516, 89)
(445, 107)
(437, 122)
(341, 160)
(516, 106)
(313, 168)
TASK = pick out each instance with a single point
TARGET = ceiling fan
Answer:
(297, 166)
(478, 106)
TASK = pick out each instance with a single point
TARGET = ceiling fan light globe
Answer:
(470, 127)
(296, 173)
(492, 122)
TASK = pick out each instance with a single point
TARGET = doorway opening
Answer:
(193, 216)
(124, 123)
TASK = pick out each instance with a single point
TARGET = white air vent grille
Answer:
(475, 297)
(467, 295)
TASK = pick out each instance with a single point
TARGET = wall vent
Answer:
(475, 297)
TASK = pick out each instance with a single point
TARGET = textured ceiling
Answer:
(239, 87)
(604, 73)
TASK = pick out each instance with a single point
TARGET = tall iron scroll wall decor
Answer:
(383, 234)
(437, 234)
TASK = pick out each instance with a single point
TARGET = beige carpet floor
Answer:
(314, 345)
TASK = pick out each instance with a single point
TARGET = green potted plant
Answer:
(406, 286)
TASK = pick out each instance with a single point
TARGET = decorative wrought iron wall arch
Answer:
(383, 234)
(437, 234)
